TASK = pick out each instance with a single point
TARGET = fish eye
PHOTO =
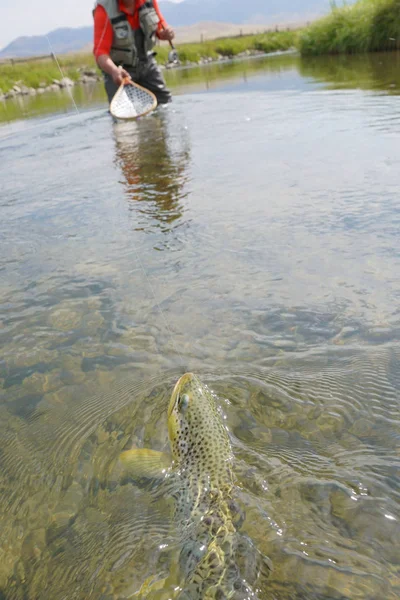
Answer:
(183, 402)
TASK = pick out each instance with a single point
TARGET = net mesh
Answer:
(132, 101)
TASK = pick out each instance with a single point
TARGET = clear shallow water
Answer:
(251, 237)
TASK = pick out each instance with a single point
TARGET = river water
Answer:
(248, 232)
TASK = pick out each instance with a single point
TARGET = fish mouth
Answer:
(187, 378)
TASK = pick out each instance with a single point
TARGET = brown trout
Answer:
(204, 507)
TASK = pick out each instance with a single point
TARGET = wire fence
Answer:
(24, 59)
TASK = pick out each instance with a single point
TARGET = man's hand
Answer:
(167, 34)
(118, 75)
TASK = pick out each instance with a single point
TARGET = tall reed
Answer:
(366, 26)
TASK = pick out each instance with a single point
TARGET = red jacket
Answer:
(103, 31)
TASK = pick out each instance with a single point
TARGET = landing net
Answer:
(132, 101)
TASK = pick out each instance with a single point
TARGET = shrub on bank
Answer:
(366, 26)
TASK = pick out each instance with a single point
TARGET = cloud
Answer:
(23, 18)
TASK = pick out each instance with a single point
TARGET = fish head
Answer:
(196, 430)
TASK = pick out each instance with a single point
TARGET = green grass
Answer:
(33, 73)
(366, 26)
(231, 47)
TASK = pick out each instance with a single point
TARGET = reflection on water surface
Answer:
(140, 147)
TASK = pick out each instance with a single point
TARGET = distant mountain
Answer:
(58, 41)
(186, 13)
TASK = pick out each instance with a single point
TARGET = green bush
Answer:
(366, 26)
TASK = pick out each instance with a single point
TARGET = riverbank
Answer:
(46, 75)
(366, 26)
(182, 80)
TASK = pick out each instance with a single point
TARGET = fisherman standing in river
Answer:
(124, 38)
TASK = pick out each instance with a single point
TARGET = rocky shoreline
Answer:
(89, 76)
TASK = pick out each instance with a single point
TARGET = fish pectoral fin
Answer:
(150, 587)
(160, 589)
(143, 463)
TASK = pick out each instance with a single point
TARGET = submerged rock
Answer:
(29, 357)
(34, 545)
(43, 382)
(285, 344)
(68, 506)
(65, 319)
(93, 322)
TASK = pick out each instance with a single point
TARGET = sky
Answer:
(23, 17)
